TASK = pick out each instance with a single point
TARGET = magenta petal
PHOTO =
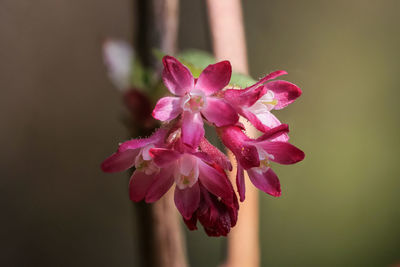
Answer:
(285, 92)
(219, 112)
(270, 76)
(241, 186)
(214, 78)
(216, 155)
(244, 97)
(267, 181)
(274, 133)
(167, 108)
(283, 152)
(161, 183)
(139, 184)
(157, 137)
(163, 157)
(192, 128)
(119, 161)
(254, 120)
(176, 77)
(215, 182)
(187, 200)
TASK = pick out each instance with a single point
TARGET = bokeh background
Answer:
(60, 117)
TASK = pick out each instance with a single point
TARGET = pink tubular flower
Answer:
(195, 98)
(256, 102)
(254, 156)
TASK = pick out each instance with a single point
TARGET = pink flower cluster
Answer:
(178, 152)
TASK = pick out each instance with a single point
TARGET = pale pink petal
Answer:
(214, 78)
(162, 182)
(187, 200)
(254, 120)
(192, 128)
(176, 77)
(157, 137)
(163, 157)
(119, 161)
(167, 108)
(241, 186)
(219, 112)
(139, 185)
(245, 152)
(283, 152)
(267, 181)
(215, 182)
(216, 155)
(285, 92)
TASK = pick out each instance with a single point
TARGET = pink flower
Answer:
(256, 102)
(191, 171)
(195, 98)
(255, 156)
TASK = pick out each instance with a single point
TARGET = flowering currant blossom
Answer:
(179, 154)
(195, 98)
(254, 156)
(256, 102)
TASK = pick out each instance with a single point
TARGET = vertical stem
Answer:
(157, 22)
(226, 22)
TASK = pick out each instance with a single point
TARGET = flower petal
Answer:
(119, 161)
(283, 152)
(192, 128)
(187, 200)
(273, 133)
(139, 185)
(215, 182)
(167, 108)
(241, 186)
(163, 157)
(214, 78)
(157, 137)
(219, 112)
(267, 181)
(245, 152)
(285, 92)
(162, 182)
(244, 97)
(176, 77)
(215, 154)
(268, 77)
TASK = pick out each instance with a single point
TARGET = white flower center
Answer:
(186, 172)
(194, 101)
(264, 160)
(144, 162)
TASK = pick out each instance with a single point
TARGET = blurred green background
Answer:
(61, 117)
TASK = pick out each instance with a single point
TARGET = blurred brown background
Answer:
(60, 117)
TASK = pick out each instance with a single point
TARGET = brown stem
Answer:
(160, 227)
(226, 22)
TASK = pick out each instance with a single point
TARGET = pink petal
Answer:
(267, 182)
(244, 97)
(216, 155)
(214, 78)
(274, 133)
(270, 76)
(162, 182)
(219, 112)
(139, 184)
(234, 139)
(192, 128)
(285, 92)
(176, 77)
(241, 186)
(187, 200)
(283, 152)
(254, 120)
(215, 182)
(119, 161)
(157, 137)
(163, 157)
(167, 108)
